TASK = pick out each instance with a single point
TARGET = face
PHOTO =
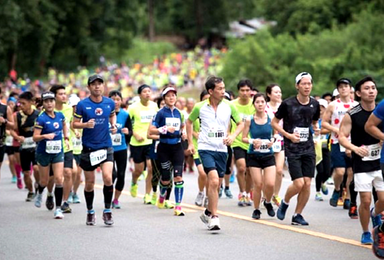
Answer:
(352, 95)
(170, 98)
(11, 104)
(117, 101)
(190, 104)
(244, 92)
(205, 97)
(49, 105)
(328, 98)
(145, 94)
(260, 104)
(344, 90)
(96, 88)
(61, 96)
(162, 103)
(275, 95)
(182, 102)
(368, 92)
(25, 105)
(304, 87)
(218, 92)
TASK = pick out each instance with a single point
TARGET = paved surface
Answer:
(145, 232)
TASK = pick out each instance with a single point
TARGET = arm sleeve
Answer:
(79, 111)
(128, 124)
(234, 114)
(156, 120)
(195, 112)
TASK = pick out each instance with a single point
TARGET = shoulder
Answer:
(355, 110)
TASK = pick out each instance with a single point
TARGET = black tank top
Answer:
(359, 137)
(25, 123)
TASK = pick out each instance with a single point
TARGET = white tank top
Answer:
(338, 115)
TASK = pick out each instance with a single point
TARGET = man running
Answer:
(299, 146)
(215, 116)
(93, 115)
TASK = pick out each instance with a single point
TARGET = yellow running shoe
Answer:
(277, 200)
(160, 205)
(168, 205)
(147, 199)
(134, 190)
(178, 211)
(154, 198)
(143, 176)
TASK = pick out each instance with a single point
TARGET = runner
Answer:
(49, 131)
(169, 124)
(246, 109)
(92, 115)
(215, 116)
(365, 156)
(119, 142)
(141, 114)
(24, 123)
(331, 121)
(298, 143)
(258, 134)
(6, 123)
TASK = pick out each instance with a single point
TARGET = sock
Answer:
(207, 212)
(18, 170)
(41, 189)
(179, 190)
(58, 195)
(108, 194)
(226, 187)
(244, 194)
(284, 202)
(169, 191)
(49, 194)
(89, 199)
(154, 189)
(163, 193)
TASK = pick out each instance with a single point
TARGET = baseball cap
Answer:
(47, 95)
(323, 103)
(302, 75)
(95, 77)
(335, 93)
(343, 81)
(168, 89)
(73, 100)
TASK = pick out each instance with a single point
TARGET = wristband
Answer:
(162, 130)
(66, 138)
(250, 140)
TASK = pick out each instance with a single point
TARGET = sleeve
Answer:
(281, 111)
(195, 112)
(234, 113)
(39, 122)
(113, 107)
(79, 111)
(157, 119)
(316, 116)
(379, 111)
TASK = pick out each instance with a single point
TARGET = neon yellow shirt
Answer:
(245, 111)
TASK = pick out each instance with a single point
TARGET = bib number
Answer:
(264, 146)
(53, 147)
(98, 156)
(303, 132)
(374, 151)
(9, 140)
(146, 116)
(116, 139)
(175, 122)
(77, 144)
(276, 147)
(28, 143)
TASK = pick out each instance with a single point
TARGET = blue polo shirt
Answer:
(49, 125)
(170, 117)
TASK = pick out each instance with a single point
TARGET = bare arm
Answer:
(295, 138)
(344, 132)
(10, 122)
(189, 129)
(325, 123)
(371, 127)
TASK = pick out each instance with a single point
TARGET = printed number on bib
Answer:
(76, 142)
(175, 122)
(374, 151)
(53, 147)
(146, 116)
(216, 133)
(9, 140)
(28, 143)
(276, 147)
(98, 156)
(116, 139)
(263, 147)
(303, 132)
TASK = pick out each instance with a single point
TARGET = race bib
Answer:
(216, 133)
(303, 132)
(263, 147)
(175, 122)
(9, 140)
(244, 117)
(374, 151)
(276, 147)
(53, 147)
(77, 144)
(98, 156)
(116, 139)
(146, 116)
(28, 143)
(342, 148)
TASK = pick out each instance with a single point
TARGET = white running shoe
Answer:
(205, 218)
(58, 214)
(38, 200)
(214, 223)
(199, 199)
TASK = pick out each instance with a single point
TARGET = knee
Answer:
(214, 183)
(43, 182)
(258, 186)
(299, 185)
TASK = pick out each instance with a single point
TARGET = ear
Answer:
(358, 93)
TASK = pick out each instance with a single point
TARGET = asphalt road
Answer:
(145, 232)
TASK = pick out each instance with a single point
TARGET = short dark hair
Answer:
(141, 88)
(326, 95)
(203, 93)
(211, 82)
(362, 81)
(243, 83)
(56, 87)
(158, 101)
(268, 90)
(115, 93)
(27, 95)
(259, 95)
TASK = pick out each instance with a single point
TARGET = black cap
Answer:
(343, 81)
(47, 95)
(95, 77)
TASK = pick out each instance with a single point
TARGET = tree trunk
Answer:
(151, 20)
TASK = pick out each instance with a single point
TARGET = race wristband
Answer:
(250, 140)
(162, 130)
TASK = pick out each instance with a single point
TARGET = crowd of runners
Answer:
(338, 137)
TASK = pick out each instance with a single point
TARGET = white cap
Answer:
(168, 89)
(302, 75)
(352, 89)
(323, 102)
(73, 100)
(335, 93)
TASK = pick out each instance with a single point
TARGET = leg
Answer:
(213, 196)
(279, 159)
(106, 169)
(269, 182)
(120, 158)
(364, 211)
(303, 197)
(257, 185)
(58, 169)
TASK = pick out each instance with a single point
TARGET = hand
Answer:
(184, 136)
(125, 130)
(66, 141)
(49, 136)
(191, 148)
(228, 140)
(295, 137)
(113, 129)
(171, 129)
(139, 138)
(78, 135)
(270, 144)
(2, 120)
(20, 139)
(316, 131)
(91, 123)
(361, 151)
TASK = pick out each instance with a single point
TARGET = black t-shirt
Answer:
(359, 137)
(299, 117)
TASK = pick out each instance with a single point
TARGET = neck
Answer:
(260, 114)
(243, 101)
(214, 102)
(29, 111)
(50, 113)
(368, 106)
(345, 99)
(144, 102)
(273, 103)
(96, 99)
(171, 107)
(303, 99)
(117, 109)
(59, 106)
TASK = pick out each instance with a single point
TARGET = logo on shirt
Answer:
(99, 111)
(56, 125)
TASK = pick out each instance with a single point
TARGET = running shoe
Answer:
(335, 198)
(248, 201)
(49, 202)
(160, 205)
(318, 197)
(277, 200)
(205, 218)
(178, 211)
(154, 198)
(206, 202)
(347, 204)
(228, 193)
(30, 196)
(329, 181)
(116, 204)
(366, 238)
(65, 208)
(282, 210)
(256, 214)
(324, 189)
(14, 179)
(232, 178)
(143, 176)
(376, 220)
(241, 202)
(270, 210)
(38, 200)
(58, 214)
(147, 199)
(199, 199)
(299, 220)
(214, 223)
(76, 199)
(19, 183)
(353, 212)
(168, 205)
(134, 190)
(378, 243)
(91, 218)
(220, 192)
(107, 217)
(70, 198)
